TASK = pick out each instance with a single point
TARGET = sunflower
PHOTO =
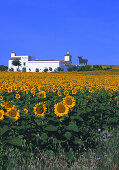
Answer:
(13, 113)
(74, 91)
(17, 96)
(42, 94)
(91, 90)
(59, 93)
(70, 87)
(25, 110)
(9, 105)
(116, 98)
(1, 97)
(69, 101)
(54, 90)
(60, 109)
(40, 109)
(2, 103)
(1, 114)
(39, 88)
(110, 94)
(9, 89)
(15, 87)
(66, 92)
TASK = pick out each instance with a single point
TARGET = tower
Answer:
(13, 54)
(67, 57)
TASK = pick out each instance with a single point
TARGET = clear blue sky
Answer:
(47, 29)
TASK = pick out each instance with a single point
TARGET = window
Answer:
(24, 64)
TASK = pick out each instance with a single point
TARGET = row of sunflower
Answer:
(60, 109)
(31, 81)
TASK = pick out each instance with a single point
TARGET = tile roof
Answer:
(13, 58)
(49, 60)
(68, 55)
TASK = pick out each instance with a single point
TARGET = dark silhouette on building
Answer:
(85, 61)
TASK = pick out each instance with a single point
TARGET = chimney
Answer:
(13, 54)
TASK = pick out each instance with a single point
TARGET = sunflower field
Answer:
(56, 112)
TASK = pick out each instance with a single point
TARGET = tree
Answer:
(62, 69)
(16, 62)
(69, 69)
(58, 68)
(74, 68)
(3, 68)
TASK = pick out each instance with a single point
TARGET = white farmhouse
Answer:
(30, 64)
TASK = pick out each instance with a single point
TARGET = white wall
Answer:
(23, 59)
(42, 65)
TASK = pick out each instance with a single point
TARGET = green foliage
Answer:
(3, 130)
(74, 68)
(108, 68)
(51, 128)
(69, 69)
(17, 141)
(45, 70)
(85, 68)
(50, 68)
(58, 68)
(72, 127)
(16, 62)
(37, 69)
(3, 68)
(70, 133)
(11, 69)
(97, 67)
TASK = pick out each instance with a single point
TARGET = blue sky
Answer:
(47, 29)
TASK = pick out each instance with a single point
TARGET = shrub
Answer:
(58, 68)
(45, 70)
(11, 69)
(50, 68)
(37, 69)
(69, 69)
(3, 68)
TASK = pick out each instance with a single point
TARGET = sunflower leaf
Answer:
(3, 130)
(68, 135)
(72, 127)
(51, 128)
(44, 136)
(18, 141)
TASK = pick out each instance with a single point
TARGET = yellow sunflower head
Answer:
(17, 96)
(25, 110)
(13, 113)
(9, 105)
(40, 109)
(42, 94)
(74, 91)
(1, 97)
(69, 101)
(2, 103)
(60, 109)
(9, 89)
(1, 114)
(66, 92)
(59, 93)
(116, 98)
